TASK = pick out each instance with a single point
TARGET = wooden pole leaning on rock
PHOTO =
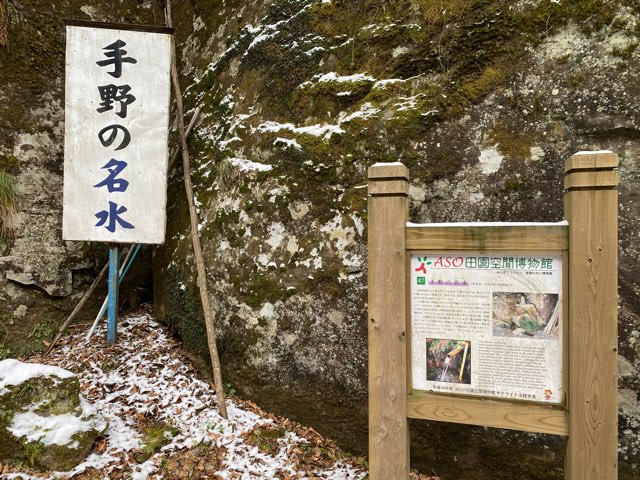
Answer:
(192, 122)
(79, 306)
(388, 429)
(195, 238)
(591, 207)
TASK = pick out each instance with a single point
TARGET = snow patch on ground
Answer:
(152, 379)
(14, 372)
(56, 429)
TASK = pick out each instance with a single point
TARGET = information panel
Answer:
(488, 325)
(116, 131)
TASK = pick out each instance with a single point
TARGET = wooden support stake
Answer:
(195, 238)
(388, 429)
(591, 207)
(79, 306)
(112, 324)
(192, 122)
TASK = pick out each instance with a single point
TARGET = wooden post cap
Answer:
(591, 170)
(388, 179)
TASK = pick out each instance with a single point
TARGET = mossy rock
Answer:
(44, 421)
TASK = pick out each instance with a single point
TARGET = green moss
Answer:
(184, 313)
(32, 452)
(9, 164)
(264, 287)
(156, 436)
(626, 51)
(6, 415)
(436, 12)
(314, 145)
(444, 162)
(266, 438)
(226, 219)
(325, 281)
(235, 340)
(513, 185)
(514, 144)
(478, 87)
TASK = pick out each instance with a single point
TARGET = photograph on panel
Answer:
(526, 315)
(448, 360)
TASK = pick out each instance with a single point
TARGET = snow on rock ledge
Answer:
(43, 418)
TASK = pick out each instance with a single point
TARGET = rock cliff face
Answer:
(41, 276)
(483, 100)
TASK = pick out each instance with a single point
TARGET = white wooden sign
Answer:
(116, 132)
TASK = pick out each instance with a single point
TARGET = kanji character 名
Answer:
(113, 93)
(113, 217)
(107, 141)
(113, 184)
(116, 55)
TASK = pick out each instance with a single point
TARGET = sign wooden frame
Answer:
(588, 243)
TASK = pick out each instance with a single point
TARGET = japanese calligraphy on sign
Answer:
(488, 325)
(116, 131)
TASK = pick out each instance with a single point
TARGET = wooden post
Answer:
(388, 430)
(112, 323)
(591, 207)
(209, 316)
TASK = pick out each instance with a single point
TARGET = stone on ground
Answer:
(44, 420)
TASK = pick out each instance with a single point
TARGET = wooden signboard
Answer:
(502, 325)
(117, 88)
(116, 132)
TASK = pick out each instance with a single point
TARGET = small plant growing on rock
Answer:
(8, 206)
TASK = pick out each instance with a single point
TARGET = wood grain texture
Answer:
(591, 160)
(578, 179)
(512, 415)
(388, 428)
(388, 170)
(389, 187)
(593, 418)
(481, 238)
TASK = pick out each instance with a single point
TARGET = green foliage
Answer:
(226, 173)
(109, 365)
(44, 330)
(229, 390)
(32, 452)
(8, 206)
